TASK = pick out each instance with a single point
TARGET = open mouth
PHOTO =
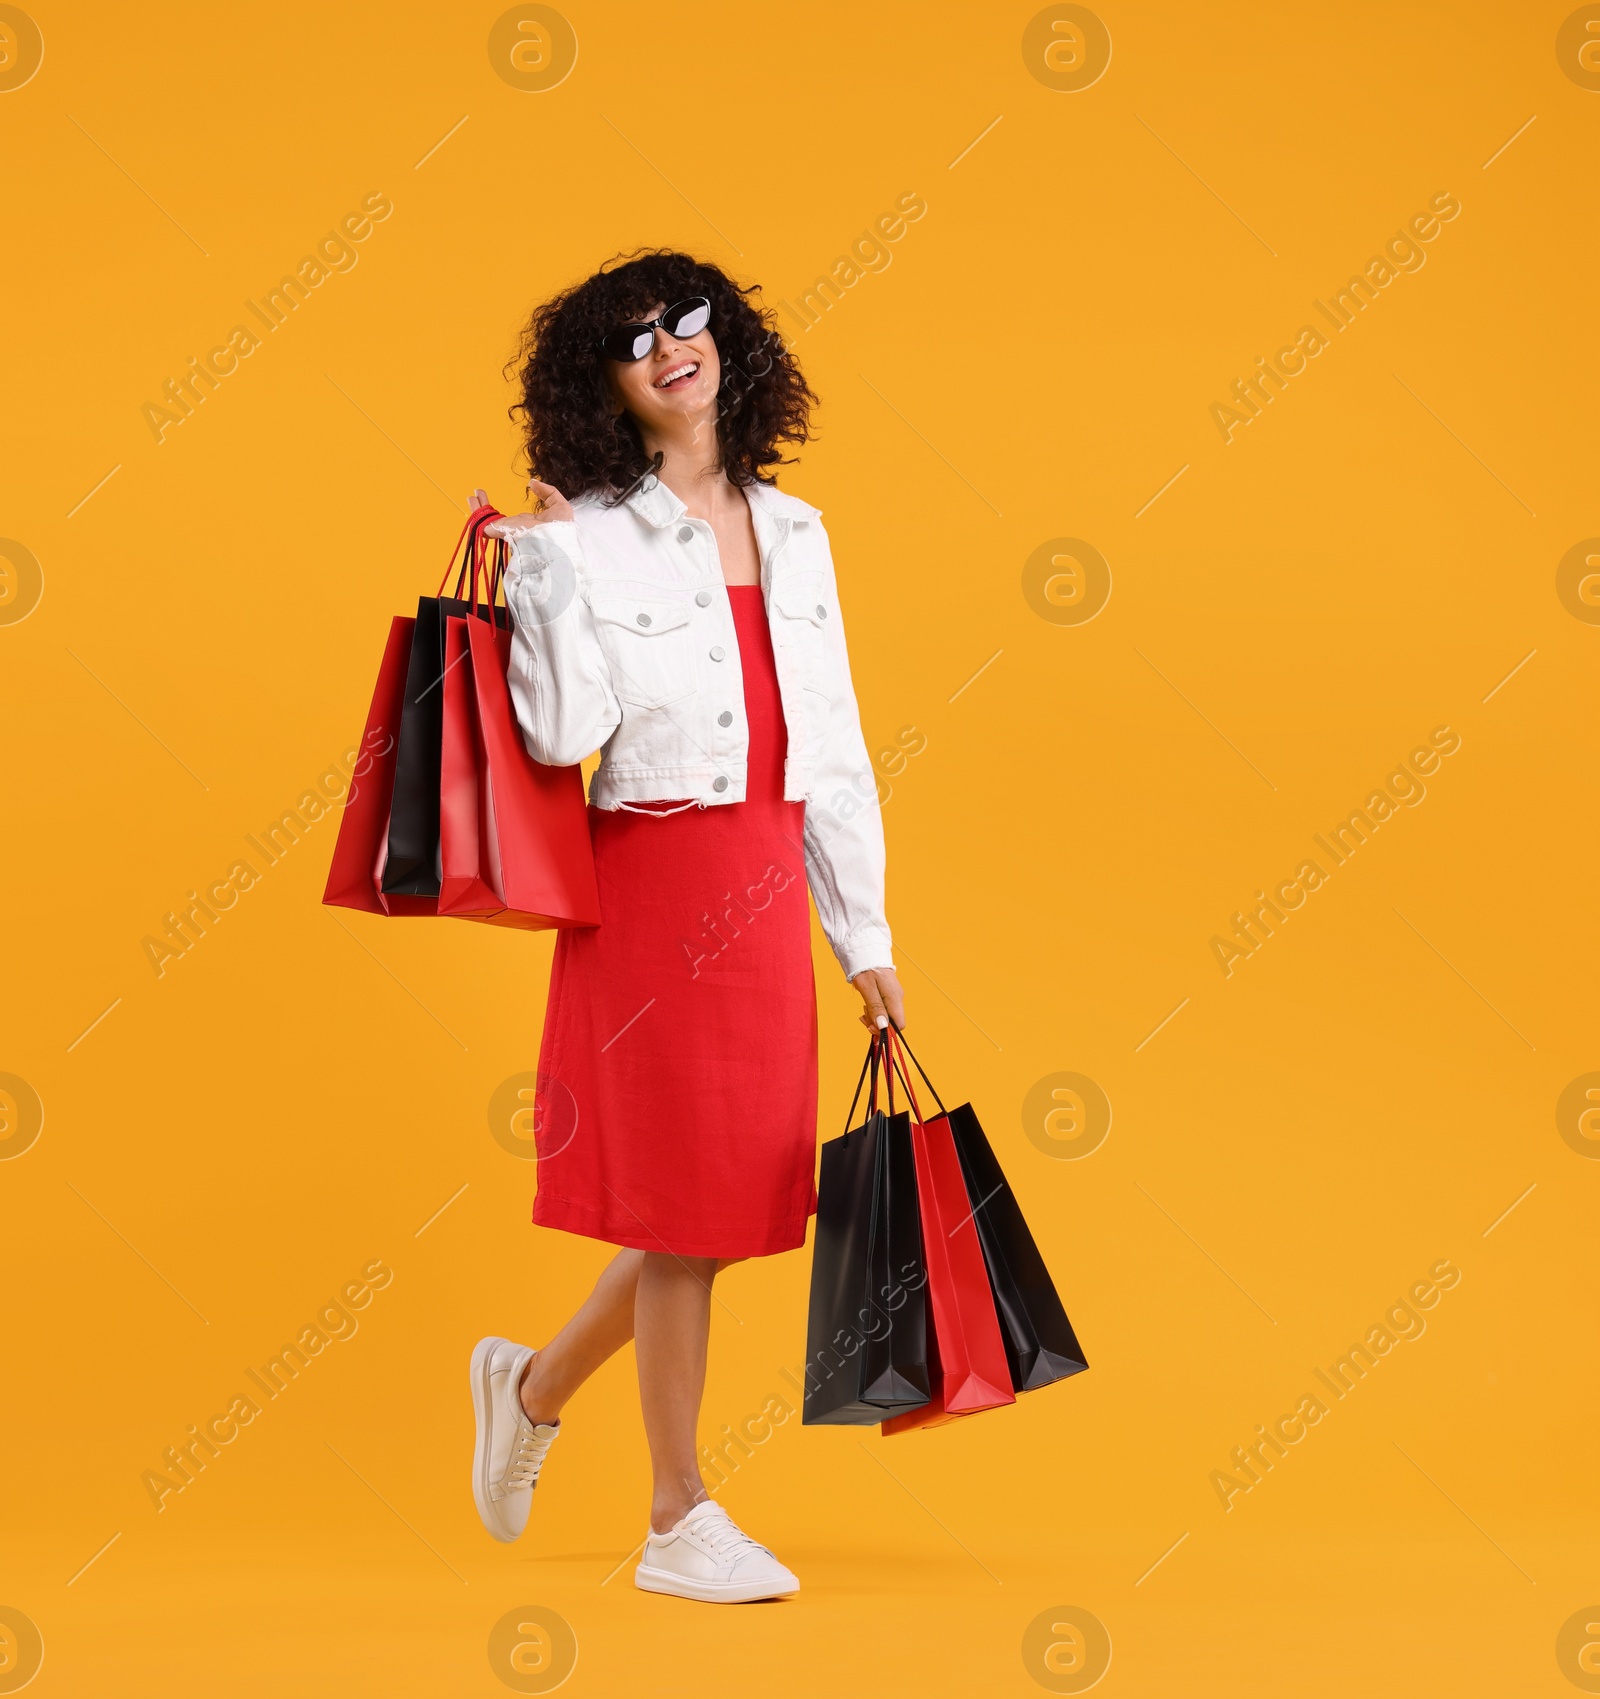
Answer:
(679, 376)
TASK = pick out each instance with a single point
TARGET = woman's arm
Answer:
(560, 683)
(844, 847)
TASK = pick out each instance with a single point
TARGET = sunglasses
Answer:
(630, 342)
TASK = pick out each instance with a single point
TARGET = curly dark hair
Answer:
(572, 433)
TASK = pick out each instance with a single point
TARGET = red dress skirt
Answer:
(676, 1107)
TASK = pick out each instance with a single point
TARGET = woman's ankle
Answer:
(667, 1510)
(537, 1405)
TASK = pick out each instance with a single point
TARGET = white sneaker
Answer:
(510, 1450)
(706, 1556)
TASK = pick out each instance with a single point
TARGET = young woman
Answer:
(676, 611)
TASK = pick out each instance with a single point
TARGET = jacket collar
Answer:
(658, 506)
(782, 506)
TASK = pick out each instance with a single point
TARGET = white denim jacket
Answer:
(623, 641)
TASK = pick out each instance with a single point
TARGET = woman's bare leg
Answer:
(672, 1323)
(602, 1325)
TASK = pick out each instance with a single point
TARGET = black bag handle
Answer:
(901, 1038)
(476, 558)
(896, 1065)
(872, 1097)
(881, 1054)
(476, 520)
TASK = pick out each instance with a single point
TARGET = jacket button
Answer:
(720, 783)
(724, 718)
(718, 652)
(822, 612)
(644, 619)
(702, 598)
(686, 533)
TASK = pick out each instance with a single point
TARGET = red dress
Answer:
(676, 1107)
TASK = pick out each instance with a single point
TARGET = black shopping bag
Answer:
(866, 1333)
(1041, 1346)
(412, 866)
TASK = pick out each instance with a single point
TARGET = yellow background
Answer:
(304, 1090)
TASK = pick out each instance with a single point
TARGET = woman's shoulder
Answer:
(599, 513)
(782, 503)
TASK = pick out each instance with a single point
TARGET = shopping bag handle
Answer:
(476, 519)
(871, 1059)
(884, 1050)
(492, 575)
(900, 1039)
(475, 559)
(891, 1041)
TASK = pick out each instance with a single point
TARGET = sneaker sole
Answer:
(482, 1409)
(652, 1580)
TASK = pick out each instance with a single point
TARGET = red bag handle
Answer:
(891, 1044)
(478, 516)
(475, 559)
(900, 1039)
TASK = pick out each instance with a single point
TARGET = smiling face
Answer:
(674, 387)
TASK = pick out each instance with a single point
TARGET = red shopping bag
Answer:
(355, 878)
(967, 1364)
(513, 834)
(463, 797)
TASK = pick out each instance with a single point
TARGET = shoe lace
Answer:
(725, 1537)
(528, 1458)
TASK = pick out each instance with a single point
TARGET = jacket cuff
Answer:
(544, 575)
(868, 946)
(544, 545)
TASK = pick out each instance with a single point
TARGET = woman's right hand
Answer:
(552, 506)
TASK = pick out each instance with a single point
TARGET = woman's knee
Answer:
(668, 1265)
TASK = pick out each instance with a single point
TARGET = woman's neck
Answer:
(691, 467)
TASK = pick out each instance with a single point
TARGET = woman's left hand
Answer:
(881, 993)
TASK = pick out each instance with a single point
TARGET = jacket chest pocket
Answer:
(801, 626)
(647, 646)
